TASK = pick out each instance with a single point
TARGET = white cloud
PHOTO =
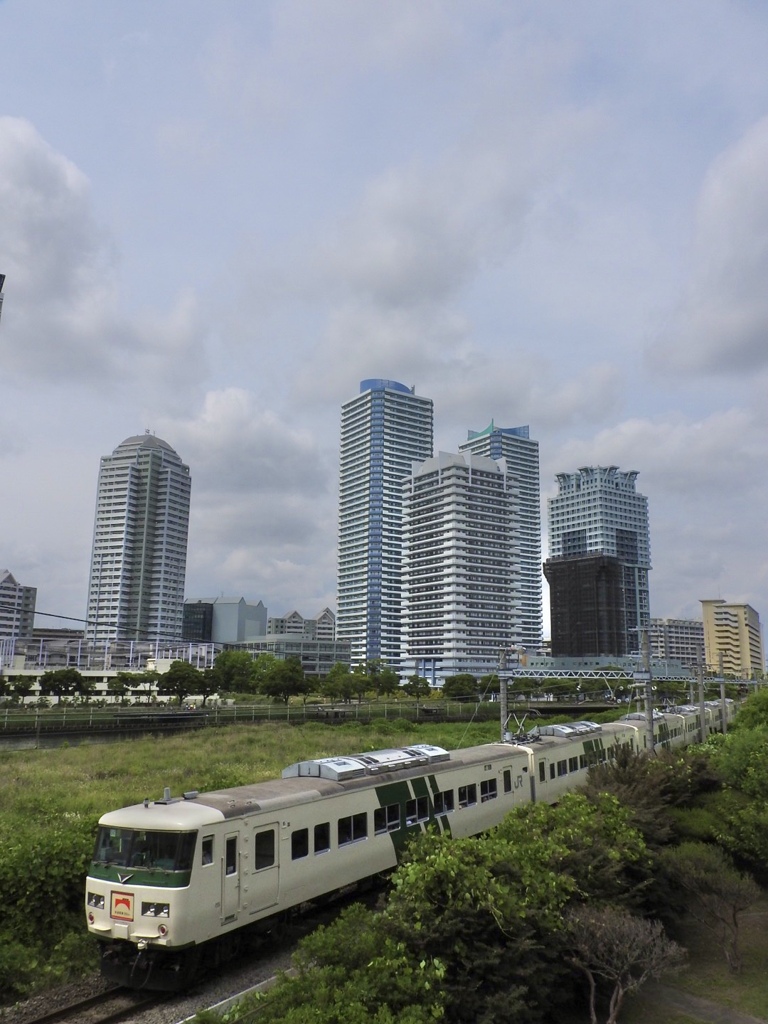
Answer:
(62, 318)
(722, 323)
(262, 497)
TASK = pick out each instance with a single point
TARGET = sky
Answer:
(216, 219)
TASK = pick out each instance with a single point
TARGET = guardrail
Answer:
(74, 720)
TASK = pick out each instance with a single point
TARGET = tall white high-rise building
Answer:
(514, 444)
(459, 559)
(384, 430)
(139, 555)
(599, 511)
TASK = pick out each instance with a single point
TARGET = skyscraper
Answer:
(384, 430)
(598, 511)
(458, 566)
(139, 555)
(514, 445)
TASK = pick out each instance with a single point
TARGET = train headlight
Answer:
(95, 900)
(155, 910)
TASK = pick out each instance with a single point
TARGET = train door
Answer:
(266, 869)
(515, 783)
(541, 778)
(230, 879)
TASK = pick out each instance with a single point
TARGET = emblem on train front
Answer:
(122, 906)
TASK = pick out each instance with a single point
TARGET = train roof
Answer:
(194, 810)
(355, 766)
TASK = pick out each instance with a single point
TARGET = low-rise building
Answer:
(17, 607)
(733, 641)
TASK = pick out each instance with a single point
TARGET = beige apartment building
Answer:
(733, 641)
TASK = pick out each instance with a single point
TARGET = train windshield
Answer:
(138, 848)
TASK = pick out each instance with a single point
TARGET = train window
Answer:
(582, 760)
(542, 771)
(573, 764)
(488, 790)
(264, 849)
(323, 837)
(562, 767)
(299, 843)
(467, 795)
(416, 810)
(230, 855)
(207, 850)
(141, 848)
(507, 780)
(386, 819)
(552, 769)
(352, 828)
(443, 802)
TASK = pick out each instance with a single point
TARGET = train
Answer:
(178, 884)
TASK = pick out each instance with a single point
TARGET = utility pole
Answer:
(503, 692)
(643, 680)
(702, 714)
(723, 708)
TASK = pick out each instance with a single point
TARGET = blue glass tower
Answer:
(384, 430)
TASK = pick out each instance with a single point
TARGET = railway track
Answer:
(110, 1007)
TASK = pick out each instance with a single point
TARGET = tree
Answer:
(133, 683)
(261, 669)
(740, 757)
(351, 971)
(490, 914)
(719, 894)
(117, 686)
(624, 950)
(462, 687)
(21, 687)
(210, 683)
(146, 680)
(235, 671)
(181, 680)
(339, 683)
(753, 712)
(417, 687)
(285, 680)
(490, 684)
(62, 682)
(593, 843)
(386, 682)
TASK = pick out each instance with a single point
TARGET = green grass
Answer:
(90, 779)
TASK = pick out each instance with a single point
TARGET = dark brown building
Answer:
(586, 599)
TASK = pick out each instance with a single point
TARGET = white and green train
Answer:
(176, 883)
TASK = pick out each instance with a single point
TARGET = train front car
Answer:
(148, 860)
